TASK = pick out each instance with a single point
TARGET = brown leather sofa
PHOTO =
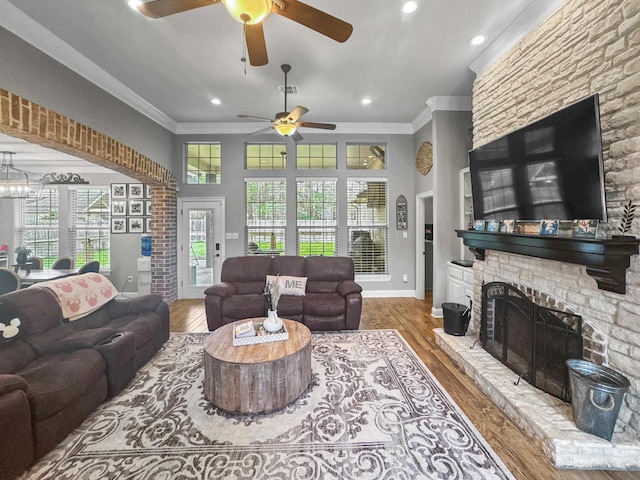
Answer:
(332, 301)
(54, 373)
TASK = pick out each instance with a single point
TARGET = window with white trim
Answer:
(316, 156)
(266, 220)
(203, 163)
(366, 157)
(90, 230)
(316, 216)
(36, 221)
(266, 156)
(367, 220)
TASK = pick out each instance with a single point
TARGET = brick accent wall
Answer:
(586, 47)
(24, 119)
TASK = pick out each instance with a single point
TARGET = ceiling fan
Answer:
(251, 13)
(286, 123)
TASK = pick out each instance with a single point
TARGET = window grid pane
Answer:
(311, 157)
(366, 157)
(262, 156)
(368, 226)
(37, 225)
(316, 217)
(266, 217)
(90, 226)
(203, 163)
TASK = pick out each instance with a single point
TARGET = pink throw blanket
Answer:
(79, 295)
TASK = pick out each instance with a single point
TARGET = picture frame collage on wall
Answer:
(555, 228)
(130, 208)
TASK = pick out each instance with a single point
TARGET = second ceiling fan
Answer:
(251, 13)
(286, 123)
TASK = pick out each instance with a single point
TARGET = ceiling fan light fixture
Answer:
(248, 12)
(285, 129)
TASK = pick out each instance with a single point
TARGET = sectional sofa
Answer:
(55, 372)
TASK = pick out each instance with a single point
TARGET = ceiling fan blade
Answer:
(324, 126)
(296, 136)
(256, 45)
(296, 113)
(163, 8)
(256, 118)
(264, 130)
(315, 19)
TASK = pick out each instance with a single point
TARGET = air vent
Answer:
(291, 89)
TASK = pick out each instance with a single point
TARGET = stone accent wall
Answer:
(24, 119)
(586, 47)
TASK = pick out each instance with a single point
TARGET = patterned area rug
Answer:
(373, 411)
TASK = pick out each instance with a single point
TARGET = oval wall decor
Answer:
(424, 159)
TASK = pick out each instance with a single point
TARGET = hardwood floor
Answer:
(412, 319)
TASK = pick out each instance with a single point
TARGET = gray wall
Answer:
(400, 172)
(35, 76)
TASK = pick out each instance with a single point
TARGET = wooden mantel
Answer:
(606, 260)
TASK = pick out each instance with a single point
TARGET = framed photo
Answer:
(585, 228)
(147, 225)
(147, 208)
(136, 190)
(118, 207)
(147, 191)
(493, 225)
(507, 226)
(136, 207)
(136, 225)
(549, 227)
(478, 225)
(118, 191)
(118, 225)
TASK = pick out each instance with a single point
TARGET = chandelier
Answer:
(14, 183)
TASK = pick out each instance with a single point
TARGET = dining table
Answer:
(45, 274)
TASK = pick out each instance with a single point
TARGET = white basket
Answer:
(269, 337)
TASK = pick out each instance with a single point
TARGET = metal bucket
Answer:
(456, 318)
(596, 396)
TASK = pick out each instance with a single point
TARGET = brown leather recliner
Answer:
(332, 301)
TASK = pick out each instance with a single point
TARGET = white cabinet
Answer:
(459, 283)
(466, 210)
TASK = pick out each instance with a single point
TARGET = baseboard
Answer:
(388, 293)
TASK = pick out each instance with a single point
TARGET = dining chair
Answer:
(36, 262)
(63, 262)
(9, 281)
(93, 266)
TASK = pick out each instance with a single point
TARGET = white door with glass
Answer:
(201, 245)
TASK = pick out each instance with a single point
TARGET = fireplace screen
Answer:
(532, 340)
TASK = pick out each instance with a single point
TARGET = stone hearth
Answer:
(545, 419)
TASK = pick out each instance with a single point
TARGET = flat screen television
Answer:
(550, 169)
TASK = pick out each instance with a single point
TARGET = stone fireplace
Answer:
(543, 417)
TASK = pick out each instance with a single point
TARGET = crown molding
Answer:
(244, 128)
(17, 22)
(531, 17)
(455, 104)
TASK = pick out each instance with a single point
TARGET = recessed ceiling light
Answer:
(366, 101)
(409, 6)
(216, 101)
(478, 40)
(134, 4)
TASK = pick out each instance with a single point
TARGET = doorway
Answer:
(424, 244)
(200, 245)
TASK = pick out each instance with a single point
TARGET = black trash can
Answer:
(456, 318)
(596, 396)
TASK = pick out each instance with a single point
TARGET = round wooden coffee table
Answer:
(256, 378)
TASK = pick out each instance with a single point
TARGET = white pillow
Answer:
(289, 285)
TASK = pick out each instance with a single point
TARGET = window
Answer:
(203, 163)
(266, 205)
(78, 218)
(37, 225)
(309, 157)
(366, 157)
(367, 220)
(90, 226)
(262, 156)
(316, 216)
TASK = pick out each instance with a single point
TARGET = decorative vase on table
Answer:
(273, 323)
